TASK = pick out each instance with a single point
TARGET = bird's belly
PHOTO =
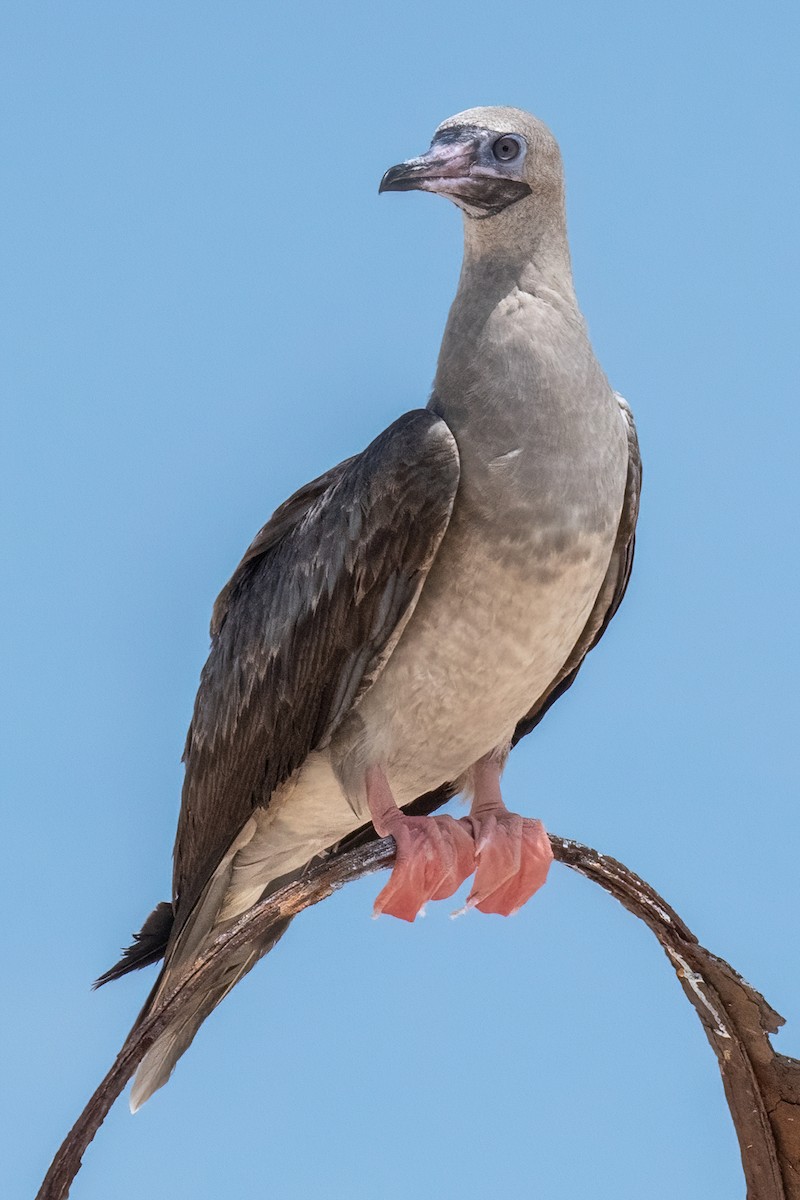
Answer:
(488, 637)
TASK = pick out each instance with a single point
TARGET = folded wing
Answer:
(302, 629)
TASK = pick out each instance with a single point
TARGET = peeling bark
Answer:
(762, 1088)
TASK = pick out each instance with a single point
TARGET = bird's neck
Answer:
(515, 295)
(526, 244)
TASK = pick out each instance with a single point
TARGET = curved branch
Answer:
(762, 1088)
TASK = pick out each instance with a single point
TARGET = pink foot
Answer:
(514, 856)
(434, 854)
(513, 852)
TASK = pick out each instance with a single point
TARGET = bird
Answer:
(401, 621)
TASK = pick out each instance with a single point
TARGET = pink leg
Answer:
(434, 854)
(514, 853)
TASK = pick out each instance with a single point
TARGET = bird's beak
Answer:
(454, 167)
(441, 169)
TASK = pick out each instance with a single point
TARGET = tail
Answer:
(148, 946)
(160, 1060)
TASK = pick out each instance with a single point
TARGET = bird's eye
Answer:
(506, 148)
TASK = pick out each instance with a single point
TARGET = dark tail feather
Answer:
(148, 944)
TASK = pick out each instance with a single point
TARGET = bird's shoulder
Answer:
(418, 439)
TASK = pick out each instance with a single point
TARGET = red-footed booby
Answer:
(400, 622)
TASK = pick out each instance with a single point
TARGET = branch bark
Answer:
(762, 1087)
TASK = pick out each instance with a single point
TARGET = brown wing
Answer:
(304, 626)
(285, 517)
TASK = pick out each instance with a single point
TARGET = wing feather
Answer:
(305, 624)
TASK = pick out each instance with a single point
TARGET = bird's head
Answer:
(485, 160)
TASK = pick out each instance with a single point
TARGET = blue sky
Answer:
(207, 304)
